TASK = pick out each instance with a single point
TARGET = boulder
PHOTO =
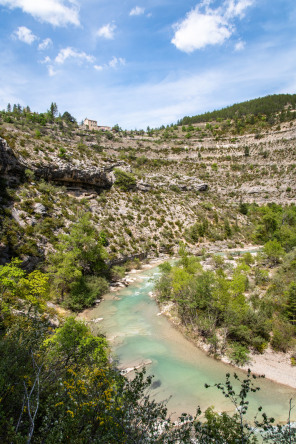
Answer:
(144, 186)
(39, 208)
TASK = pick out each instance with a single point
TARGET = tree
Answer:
(18, 291)
(116, 128)
(273, 251)
(79, 256)
(53, 110)
(68, 118)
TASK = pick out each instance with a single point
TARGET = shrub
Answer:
(282, 336)
(274, 251)
(239, 354)
(125, 181)
(85, 291)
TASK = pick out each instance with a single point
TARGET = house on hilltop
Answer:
(93, 125)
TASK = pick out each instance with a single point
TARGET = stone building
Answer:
(91, 124)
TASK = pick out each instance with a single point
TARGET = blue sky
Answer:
(141, 63)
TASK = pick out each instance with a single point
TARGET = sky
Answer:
(140, 64)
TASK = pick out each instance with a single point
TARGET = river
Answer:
(180, 370)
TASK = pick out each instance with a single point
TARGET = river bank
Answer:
(275, 366)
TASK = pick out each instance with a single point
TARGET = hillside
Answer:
(182, 176)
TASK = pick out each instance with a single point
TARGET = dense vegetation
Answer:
(237, 306)
(268, 106)
(57, 384)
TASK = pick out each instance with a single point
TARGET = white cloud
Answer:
(55, 12)
(237, 8)
(199, 30)
(46, 43)
(239, 46)
(137, 10)
(25, 35)
(46, 60)
(205, 26)
(72, 53)
(106, 31)
(114, 63)
(51, 71)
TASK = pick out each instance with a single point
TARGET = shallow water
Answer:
(136, 334)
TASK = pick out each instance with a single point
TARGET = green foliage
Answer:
(282, 338)
(210, 302)
(57, 384)
(273, 251)
(124, 180)
(239, 354)
(78, 255)
(264, 105)
(62, 153)
(21, 292)
(275, 222)
(117, 272)
(243, 208)
(68, 118)
(85, 291)
(291, 303)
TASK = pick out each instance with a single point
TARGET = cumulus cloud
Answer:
(25, 35)
(206, 26)
(46, 43)
(137, 10)
(106, 31)
(55, 12)
(72, 53)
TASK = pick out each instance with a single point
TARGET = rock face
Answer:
(101, 177)
(67, 174)
(13, 169)
(10, 167)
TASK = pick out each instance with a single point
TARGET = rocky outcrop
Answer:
(144, 186)
(67, 174)
(188, 183)
(11, 169)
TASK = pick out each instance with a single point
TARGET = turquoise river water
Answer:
(180, 370)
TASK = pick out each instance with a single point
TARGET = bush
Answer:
(239, 354)
(282, 336)
(117, 272)
(125, 181)
(274, 251)
(85, 291)
(259, 344)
